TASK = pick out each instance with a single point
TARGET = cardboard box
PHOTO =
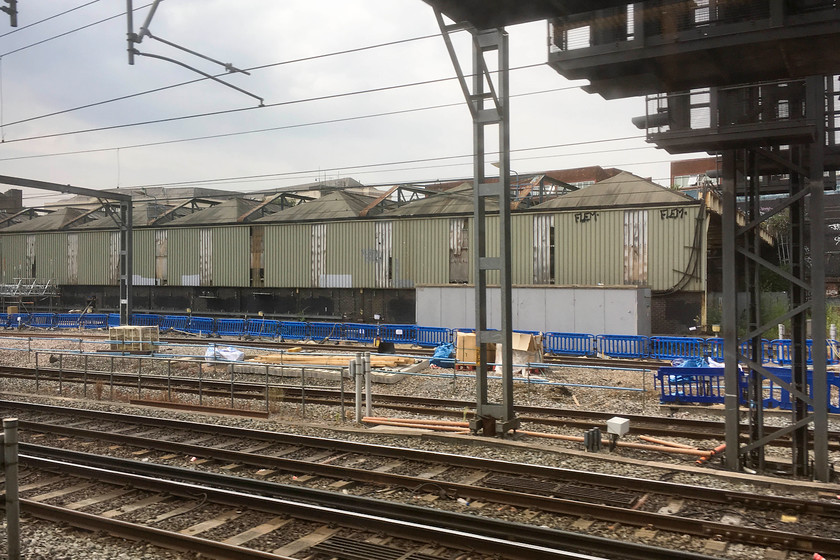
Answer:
(12, 309)
(466, 350)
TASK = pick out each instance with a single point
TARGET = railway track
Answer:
(232, 518)
(157, 387)
(552, 495)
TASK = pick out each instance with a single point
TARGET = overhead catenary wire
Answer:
(197, 80)
(40, 21)
(60, 35)
(244, 109)
(272, 129)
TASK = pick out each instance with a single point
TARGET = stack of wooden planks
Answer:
(376, 360)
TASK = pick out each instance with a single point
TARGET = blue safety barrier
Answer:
(262, 328)
(621, 346)
(113, 319)
(201, 325)
(671, 347)
(776, 395)
(17, 320)
(714, 349)
(147, 320)
(782, 355)
(569, 344)
(691, 385)
(67, 320)
(326, 331)
(42, 320)
(399, 334)
(176, 322)
(94, 321)
(296, 330)
(432, 337)
(230, 327)
(360, 332)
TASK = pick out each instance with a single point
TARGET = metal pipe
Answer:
(10, 468)
(368, 376)
(356, 374)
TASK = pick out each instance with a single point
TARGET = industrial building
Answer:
(344, 252)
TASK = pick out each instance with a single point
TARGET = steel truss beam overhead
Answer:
(122, 217)
(488, 102)
(741, 174)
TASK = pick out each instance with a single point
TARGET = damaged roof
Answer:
(53, 221)
(453, 201)
(226, 212)
(336, 205)
(624, 189)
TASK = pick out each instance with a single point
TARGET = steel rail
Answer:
(704, 493)
(484, 535)
(555, 505)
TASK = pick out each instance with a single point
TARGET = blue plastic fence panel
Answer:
(4, 319)
(714, 348)
(432, 337)
(401, 334)
(201, 325)
(95, 321)
(42, 320)
(299, 330)
(68, 320)
(569, 344)
(782, 355)
(113, 319)
(177, 322)
(691, 385)
(262, 328)
(230, 327)
(623, 346)
(326, 331)
(670, 347)
(146, 320)
(778, 396)
(18, 320)
(360, 332)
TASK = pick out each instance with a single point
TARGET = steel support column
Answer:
(742, 260)
(488, 101)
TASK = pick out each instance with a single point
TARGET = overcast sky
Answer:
(49, 70)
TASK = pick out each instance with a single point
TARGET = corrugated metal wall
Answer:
(636, 247)
(51, 257)
(93, 257)
(231, 256)
(400, 253)
(288, 255)
(543, 239)
(589, 247)
(351, 255)
(418, 258)
(14, 257)
(384, 239)
(184, 248)
(143, 267)
(671, 232)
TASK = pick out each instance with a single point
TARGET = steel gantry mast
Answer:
(123, 220)
(488, 102)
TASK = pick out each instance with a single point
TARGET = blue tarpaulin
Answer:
(443, 356)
